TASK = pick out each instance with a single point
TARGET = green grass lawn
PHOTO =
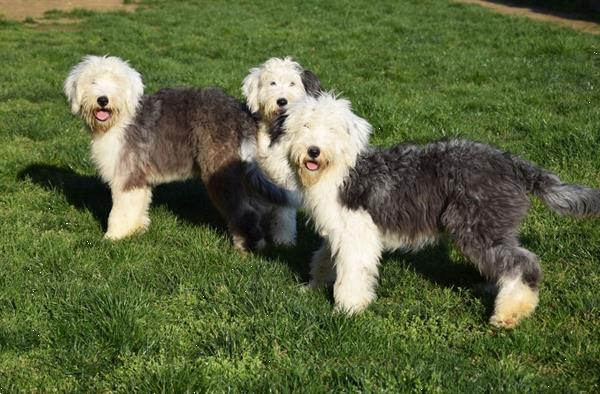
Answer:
(177, 309)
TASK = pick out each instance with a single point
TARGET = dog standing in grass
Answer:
(269, 89)
(141, 141)
(364, 200)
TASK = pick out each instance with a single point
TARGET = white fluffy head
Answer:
(324, 137)
(277, 83)
(103, 90)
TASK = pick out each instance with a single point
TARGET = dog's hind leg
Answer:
(245, 229)
(484, 225)
(517, 297)
(225, 189)
(129, 212)
(517, 275)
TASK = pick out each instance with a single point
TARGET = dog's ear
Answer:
(277, 128)
(357, 128)
(135, 91)
(250, 89)
(311, 83)
(360, 131)
(70, 89)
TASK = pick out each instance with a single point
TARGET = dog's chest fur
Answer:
(106, 152)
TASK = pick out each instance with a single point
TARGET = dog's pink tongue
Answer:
(311, 165)
(102, 115)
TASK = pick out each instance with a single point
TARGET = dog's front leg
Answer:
(129, 212)
(357, 249)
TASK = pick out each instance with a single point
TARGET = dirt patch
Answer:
(566, 20)
(34, 9)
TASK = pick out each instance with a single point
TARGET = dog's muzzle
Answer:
(102, 114)
(312, 162)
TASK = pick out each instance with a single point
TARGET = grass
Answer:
(177, 309)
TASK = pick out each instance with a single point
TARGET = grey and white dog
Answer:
(141, 141)
(269, 89)
(364, 200)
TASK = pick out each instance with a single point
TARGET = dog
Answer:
(269, 89)
(139, 141)
(364, 200)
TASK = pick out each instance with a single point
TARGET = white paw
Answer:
(514, 302)
(116, 233)
(353, 303)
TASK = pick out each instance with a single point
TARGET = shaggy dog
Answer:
(269, 89)
(141, 141)
(364, 200)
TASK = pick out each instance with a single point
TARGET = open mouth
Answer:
(311, 165)
(102, 115)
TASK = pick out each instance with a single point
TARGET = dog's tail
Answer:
(563, 198)
(261, 185)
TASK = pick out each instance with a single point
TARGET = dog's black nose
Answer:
(102, 101)
(281, 102)
(313, 152)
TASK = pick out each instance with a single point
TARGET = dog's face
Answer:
(103, 90)
(276, 84)
(323, 136)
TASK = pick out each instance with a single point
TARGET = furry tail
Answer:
(260, 184)
(563, 198)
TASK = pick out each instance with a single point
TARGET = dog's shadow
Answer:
(435, 264)
(187, 200)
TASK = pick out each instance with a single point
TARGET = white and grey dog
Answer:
(269, 89)
(364, 200)
(141, 141)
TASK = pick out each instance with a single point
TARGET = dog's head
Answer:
(103, 90)
(277, 83)
(323, 136)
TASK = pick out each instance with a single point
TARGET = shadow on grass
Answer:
(186, 200)
(434, 264)
(577, 11)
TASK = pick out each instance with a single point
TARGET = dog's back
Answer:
(411, 185)
(190, 129)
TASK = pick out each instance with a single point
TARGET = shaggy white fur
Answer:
(111, 79)
(330, 124)
(269, 89)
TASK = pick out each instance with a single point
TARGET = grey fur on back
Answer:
(430, 175)
(188, 130)
(195, 131)
(475, 193)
